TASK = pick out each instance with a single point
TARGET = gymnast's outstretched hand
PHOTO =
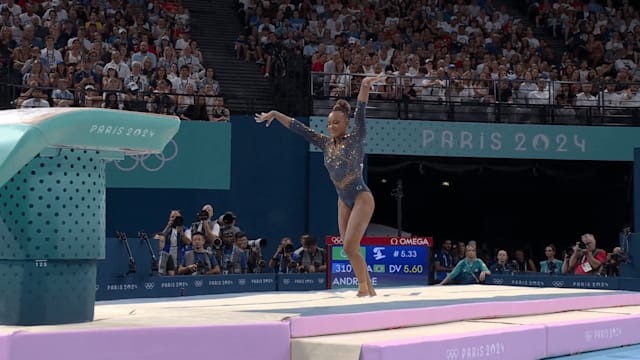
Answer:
(370, 80)
(363, 95)
(265, 117)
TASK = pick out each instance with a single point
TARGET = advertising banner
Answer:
(171, 286)
(489, 140)
(559, 281)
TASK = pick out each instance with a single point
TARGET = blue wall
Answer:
(269, 194)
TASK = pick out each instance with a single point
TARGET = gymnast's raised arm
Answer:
(365, 87)
(359, 129)
(297, 127)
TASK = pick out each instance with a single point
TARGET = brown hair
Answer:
(343, 107)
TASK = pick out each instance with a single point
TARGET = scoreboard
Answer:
(391, 261)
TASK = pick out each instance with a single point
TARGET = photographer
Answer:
(239, 263)
(198, 261)
(178, 241)
(227, 235)
(312, 258)
(282, 261)
(255, 262)
(166, 262)
(612, 266)
(586, 259)
(207, 226)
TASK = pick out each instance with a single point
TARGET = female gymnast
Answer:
(343, 157)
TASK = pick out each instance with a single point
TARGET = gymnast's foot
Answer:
(362, 292)
(372, 291)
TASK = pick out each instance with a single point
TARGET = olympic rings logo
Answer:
(148, 162)
(451, 354)
(557, 283)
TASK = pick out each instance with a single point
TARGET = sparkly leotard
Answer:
(343, 160)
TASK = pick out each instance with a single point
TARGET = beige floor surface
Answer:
(276, 306)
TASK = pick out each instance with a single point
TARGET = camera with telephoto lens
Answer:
(582, 245)
(259, 242)
(228, 218)
(288, 249)
(177, 221)
(217, 243)
(203, 215)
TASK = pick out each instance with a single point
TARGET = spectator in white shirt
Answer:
(586, 98)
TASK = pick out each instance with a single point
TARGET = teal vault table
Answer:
(52, 204)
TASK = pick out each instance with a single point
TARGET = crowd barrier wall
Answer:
(116, 280)
(124, 275)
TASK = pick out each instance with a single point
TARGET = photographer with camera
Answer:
(312, 258)
(239, 261)
(207, 226)
(585, 258)
(255, 262)
(282, 259)
(166, 262)
(612, 266)
(223, 247)
(551, 265)
(198, 261)
(177, 239)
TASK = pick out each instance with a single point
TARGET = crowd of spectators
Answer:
(210, 246)
(133, 55)
(469, 263)
(139, 55)
(458, 51)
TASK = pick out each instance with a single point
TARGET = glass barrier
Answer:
(484, 100)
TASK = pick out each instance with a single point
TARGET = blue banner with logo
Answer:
(188, 285)
(302, 282)
(198, 157)
(486, 140)
(559, 281)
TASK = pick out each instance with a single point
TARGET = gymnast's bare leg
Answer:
(353, 224)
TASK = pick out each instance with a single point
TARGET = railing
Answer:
(485, 100)
(187, 106)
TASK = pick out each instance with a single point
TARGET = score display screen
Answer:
(391, 261)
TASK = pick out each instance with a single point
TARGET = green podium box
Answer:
(52, 204)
